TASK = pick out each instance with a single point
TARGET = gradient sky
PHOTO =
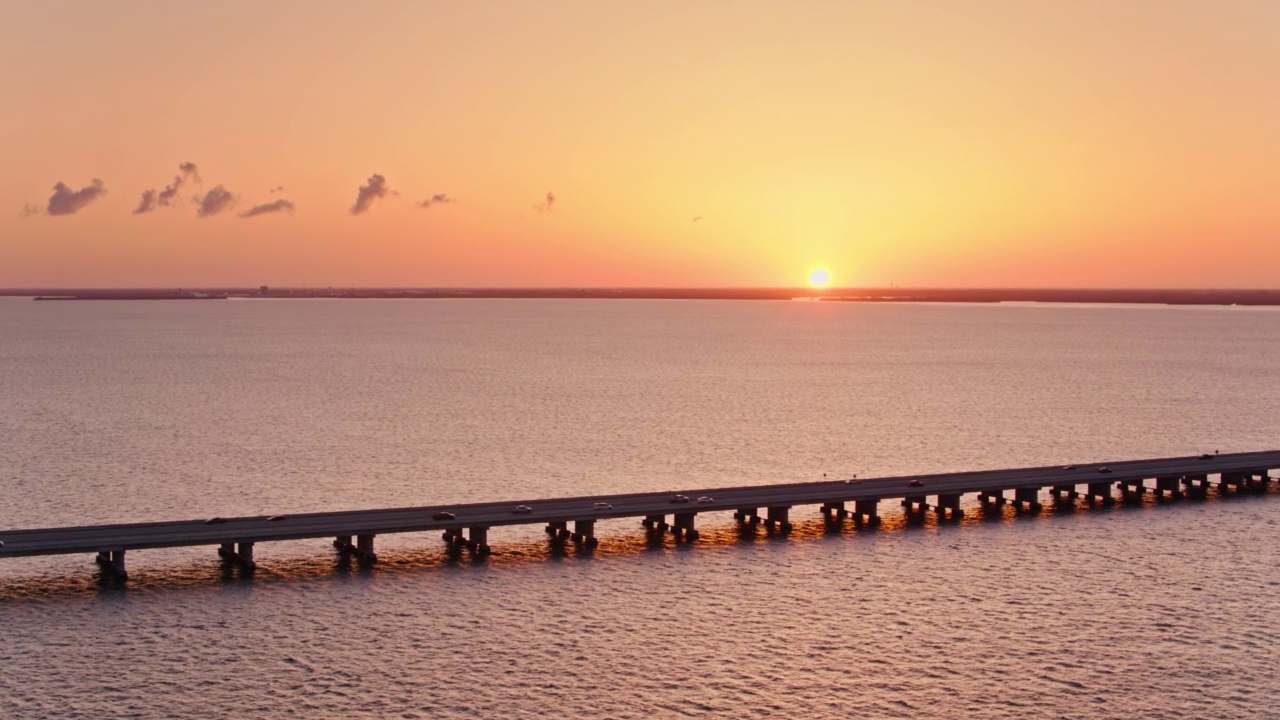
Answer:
(1091, 143)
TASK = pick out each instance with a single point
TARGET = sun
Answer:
(819, 278)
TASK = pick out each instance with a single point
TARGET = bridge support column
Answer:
(1196, 486)
(1231, 479)
(866, 511)
(242, 556)
(747, 516)
(682, 527)
(1028, 497)
(584, 533)
(834, 512)
(992, 499)
(914, 507)
(1100, 491)
(949, 505)
(478, 542)
(778, 518)
(1131, 489)
(363, 547)
(1063, 494)
(1171, 484)
(655, 524)
(452, 537)
(1257, 480)
(112, 563)
(557, 528)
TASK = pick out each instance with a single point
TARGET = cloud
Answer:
(276, 189)
(435, 200)
(66, 201)
(188, 173)
(170, 192)
(28, 210)
(146, 203)
(280, 205)
(547, 204)
(215, 201)
(376, 189)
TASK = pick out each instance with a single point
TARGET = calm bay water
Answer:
(164, 410)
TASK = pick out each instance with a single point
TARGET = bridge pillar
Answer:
(584, 533)
(1231, 479)
(1131, 489)
(478, 541)
(362, 549)
(778, 518)
(242, 556)
(1257, 480)
(556, 528)
(682, 527)
(1195, 485)
(1028, 497)
(364, 543)
(949, 504)
(1063, 494)
(1100, 491)
(655, 524)
(834, 512)
(747, 516)
(990, 499)
(866, 509)
(1171, 484)
(112, 563)
(915, 506)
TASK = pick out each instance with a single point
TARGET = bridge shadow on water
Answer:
(68, 582)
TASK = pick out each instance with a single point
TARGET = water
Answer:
(166, 410)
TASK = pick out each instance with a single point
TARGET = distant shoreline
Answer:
(871, 295)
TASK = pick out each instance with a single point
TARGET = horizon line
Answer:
(615, 288)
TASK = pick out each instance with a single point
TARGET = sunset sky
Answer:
(1094, 143)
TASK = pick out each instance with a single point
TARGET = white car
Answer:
(680, 499)
(522, 510)
(602, 506)
(705, 500)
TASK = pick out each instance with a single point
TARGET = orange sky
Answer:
(1086, 143)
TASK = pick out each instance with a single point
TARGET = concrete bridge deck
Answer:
(236, 535)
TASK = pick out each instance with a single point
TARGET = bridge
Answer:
(573, 519)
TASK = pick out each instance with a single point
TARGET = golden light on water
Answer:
(819, 278)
